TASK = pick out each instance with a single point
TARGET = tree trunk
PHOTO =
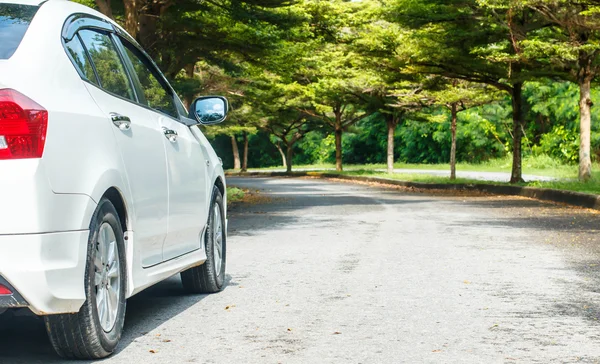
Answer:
(131, 17)
(517, 104)
(288, 158)
(391, 126)
(585, 106)
(283, 157)
(189, 73)
(236, 153)
(105, 8)
(338, 149)
(453, 147)
(245, 160)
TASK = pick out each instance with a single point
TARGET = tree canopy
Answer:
(425, 81)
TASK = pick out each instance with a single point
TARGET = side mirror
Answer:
(209, 110)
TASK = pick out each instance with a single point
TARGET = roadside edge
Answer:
(579, 199)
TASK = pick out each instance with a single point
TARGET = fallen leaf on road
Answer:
(289, 329)
(337, 333)
(436, 351)
(166, 341)
(153, 351)
(466, 282)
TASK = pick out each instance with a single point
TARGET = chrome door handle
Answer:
(121, 121)
(170, 134)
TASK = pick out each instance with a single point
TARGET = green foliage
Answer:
(554, 120)
(296, 72)
(234, 194)
(315, 148)
(559, 143)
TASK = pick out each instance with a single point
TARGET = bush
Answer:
(559, 143)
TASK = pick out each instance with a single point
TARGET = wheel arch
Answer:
(110, 185)
(116, 198)
(220, 185)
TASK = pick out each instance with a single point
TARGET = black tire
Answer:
(80, 335)
(205, 278)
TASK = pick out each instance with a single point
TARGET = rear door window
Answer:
(107, 62)
(81, 60)
(14, 21)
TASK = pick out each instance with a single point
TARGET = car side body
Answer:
(158, 171)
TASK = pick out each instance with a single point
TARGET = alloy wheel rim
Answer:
(107, 280)
(217, 239)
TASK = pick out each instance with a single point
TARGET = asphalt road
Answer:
(328, 272)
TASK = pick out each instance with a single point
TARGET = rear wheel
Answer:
(210, 276)
(95, 330)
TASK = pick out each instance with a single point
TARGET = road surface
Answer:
(330, 272)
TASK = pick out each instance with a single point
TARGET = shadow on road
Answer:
(574, 231)
(23, 336)
(279, 204)
(531, 214)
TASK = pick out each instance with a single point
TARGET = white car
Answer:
(106, 184)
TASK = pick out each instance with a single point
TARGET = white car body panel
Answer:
(145, 167)
(48, 203)
(187, 190)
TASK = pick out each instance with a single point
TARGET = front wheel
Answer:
(210, 276)
(95, 331)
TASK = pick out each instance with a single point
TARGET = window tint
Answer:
(14, 21)
(81, 60)
(158, 95)
(110, 69)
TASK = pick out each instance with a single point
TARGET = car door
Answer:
(140, 140)
(186, 161)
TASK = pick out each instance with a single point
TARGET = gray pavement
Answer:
(327, 272)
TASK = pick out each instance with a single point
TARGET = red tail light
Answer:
(5, 291)
(23, 125)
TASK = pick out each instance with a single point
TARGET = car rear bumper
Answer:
(29, 206)
(47, 271)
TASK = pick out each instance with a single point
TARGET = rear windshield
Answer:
(14, 21)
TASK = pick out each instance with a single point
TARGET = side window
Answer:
(158, 95)
(110, 69)
(81, 60)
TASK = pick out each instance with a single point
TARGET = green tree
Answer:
(334, 74)
(476, 41)
(177, 34)
(572, 46)
(458, 96)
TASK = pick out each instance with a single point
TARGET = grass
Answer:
(592, 186)
(535, 165)
(234, 194)
(538, 165)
